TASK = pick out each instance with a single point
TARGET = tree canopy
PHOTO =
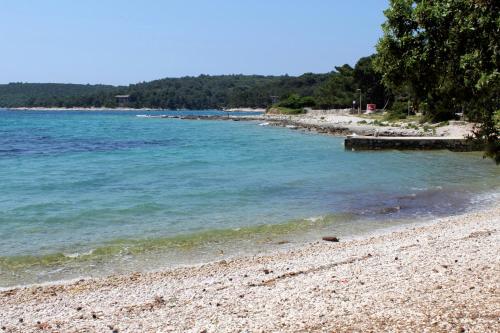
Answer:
(330, 90)
(445, 54)
(200, 92)
(53, 94)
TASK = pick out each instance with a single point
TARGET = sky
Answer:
(128, 41)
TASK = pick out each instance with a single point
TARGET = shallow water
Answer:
(90, 192)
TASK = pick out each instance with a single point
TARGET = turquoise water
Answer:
(82, 189)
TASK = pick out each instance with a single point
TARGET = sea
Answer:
(94, 193)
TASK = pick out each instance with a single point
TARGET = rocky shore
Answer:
(440, 277)
(330, 122)
(342, 124)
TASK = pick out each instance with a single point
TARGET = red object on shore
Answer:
(371, 107)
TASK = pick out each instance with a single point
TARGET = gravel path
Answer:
(442, 277)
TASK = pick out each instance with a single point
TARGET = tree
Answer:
(445, 53)
(370, 82)
(295, 101)
(339, 90)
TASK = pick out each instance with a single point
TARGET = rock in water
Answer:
(331, 239)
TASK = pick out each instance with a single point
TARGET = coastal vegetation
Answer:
(293, 104)
(202, 92)
(443, 57)
(336, 89)
(54, 94)
(284, 110)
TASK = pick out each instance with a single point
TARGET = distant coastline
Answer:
(77, 109)
(333, 122)
(243, 109)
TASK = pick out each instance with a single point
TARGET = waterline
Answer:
(102, 192)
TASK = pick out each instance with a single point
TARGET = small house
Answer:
(122, 100)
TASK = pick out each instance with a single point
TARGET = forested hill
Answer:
(336, 89)
(172, 93)
(222, 91)
(52, 94)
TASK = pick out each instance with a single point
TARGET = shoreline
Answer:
(446, 266)
(214, 248)
(78, 109)
(271, 243)
(256, 110)
(329, 122)
(293, 242)
(343, 125)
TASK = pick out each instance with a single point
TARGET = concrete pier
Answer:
(354, 142)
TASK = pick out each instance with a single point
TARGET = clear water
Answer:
(97, 192)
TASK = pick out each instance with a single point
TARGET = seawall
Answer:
(411, 143)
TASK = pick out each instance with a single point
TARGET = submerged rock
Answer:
(389, 210)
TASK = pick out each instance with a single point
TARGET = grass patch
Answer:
(392, 116)
(412, 126)
(380, 123)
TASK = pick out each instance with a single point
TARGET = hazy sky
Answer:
(127, 41)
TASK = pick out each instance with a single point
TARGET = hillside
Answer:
(199, 92)
(336, 89)
(52, 94)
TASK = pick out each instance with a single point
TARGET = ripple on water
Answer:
(84, 192)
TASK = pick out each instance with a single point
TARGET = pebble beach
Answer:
(443, 276)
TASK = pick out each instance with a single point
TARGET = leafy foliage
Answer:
(295, 101)
(399, 110)
(221, 91)
(341, 89)
(55, 94)
(285, 110)
(445, 54)
(199, 92)
(370, 82)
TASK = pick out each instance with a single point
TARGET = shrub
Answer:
(399, 110)
(295, 101)
(496, 119)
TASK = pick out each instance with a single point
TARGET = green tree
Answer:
(339, 90)
(370, 82)
(445, 53)
(294, 101)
